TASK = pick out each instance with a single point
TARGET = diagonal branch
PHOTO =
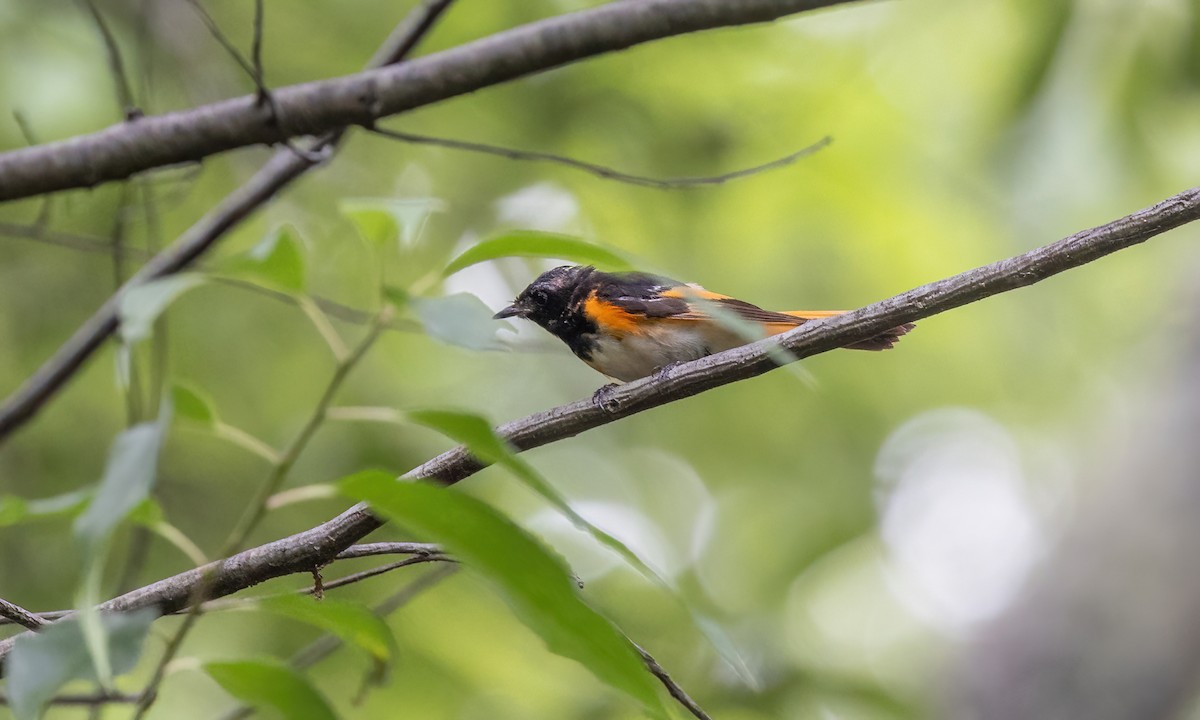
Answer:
(317, 546)
(284, 167)
(323, 106)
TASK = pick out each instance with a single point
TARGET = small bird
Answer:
(629, 325)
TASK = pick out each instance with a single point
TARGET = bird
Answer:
(630, 325)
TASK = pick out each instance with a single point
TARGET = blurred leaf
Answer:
(398, 297)
(276, 262)
(141, 305)
(147, 513)
(460, 319)
(128, 477)
(383, 221)
(43, 662)
(14, 509)
(352, 622)
(536, 583)
(534, 243)
(269, 684)
(192, 404)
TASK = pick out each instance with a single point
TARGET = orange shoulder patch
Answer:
(611, 318)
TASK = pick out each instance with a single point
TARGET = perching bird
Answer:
(628, 325)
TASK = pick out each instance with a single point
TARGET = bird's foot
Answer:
(663, 370)
(605, 398)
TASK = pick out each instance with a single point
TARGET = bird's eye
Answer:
(539, 296)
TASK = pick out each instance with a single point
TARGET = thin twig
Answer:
(672, 687)
(20, 616)
(215, 30)
(283, 167)
(601, 171)
(388, 548)
(89, 700)
(116, 64)
(428, 551)
(256, 47)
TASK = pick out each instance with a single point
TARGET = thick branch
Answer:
(317, 546)
(318, 107)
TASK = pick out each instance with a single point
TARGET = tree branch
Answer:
(323, 106)
(20, 615)
(317, 546)
(283, 167)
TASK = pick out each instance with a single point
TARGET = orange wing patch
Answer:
(611, 318)
(687, 292)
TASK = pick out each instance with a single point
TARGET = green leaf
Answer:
(14, 510)
(43, 662)
(129, 475)
(276, 262)
(476, 433)
(534, 243)
(268, 683)
(535, 582)
(384, 221)
(352, 622)
(192, 404)
(141, 305)
(460, 319)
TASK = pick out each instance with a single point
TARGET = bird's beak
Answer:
(513, 310)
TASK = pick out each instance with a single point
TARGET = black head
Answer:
(552, 299)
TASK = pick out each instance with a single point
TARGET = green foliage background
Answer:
(963, 133)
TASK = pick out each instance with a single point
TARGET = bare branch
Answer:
(283, 167)
(672, 687)
(323, 106)
(321, 544)
(20, 615)
(601, 170)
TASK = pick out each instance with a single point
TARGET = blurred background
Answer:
(846, 527)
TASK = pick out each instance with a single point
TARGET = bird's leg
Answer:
(662, 370)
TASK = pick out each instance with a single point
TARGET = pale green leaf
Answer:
(141, 305)
(43, 662)
(534, 243)
(128, 478)
(191, 404)
(461, 319)
(278, 262)
(385, 221)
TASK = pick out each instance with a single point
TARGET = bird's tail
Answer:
(882, 341)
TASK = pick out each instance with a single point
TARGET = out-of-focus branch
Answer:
(283, 167)
(20, 615)
(602, 171)
(314, 548)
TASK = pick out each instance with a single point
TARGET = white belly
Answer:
(635, 356)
